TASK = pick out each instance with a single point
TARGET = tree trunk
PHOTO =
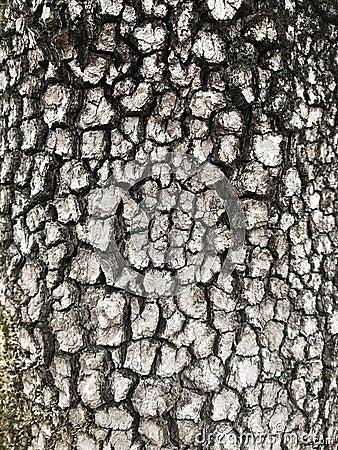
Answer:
(245, 356)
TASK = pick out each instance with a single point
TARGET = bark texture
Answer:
(249, 86)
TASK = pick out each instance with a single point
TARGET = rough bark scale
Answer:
(249, 85)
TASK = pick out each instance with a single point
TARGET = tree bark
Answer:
(244, 361)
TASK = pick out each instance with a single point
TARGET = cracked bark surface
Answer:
(249, 86)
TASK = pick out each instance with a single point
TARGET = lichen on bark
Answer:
(15, 418)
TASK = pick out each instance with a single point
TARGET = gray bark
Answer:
(247, 85)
